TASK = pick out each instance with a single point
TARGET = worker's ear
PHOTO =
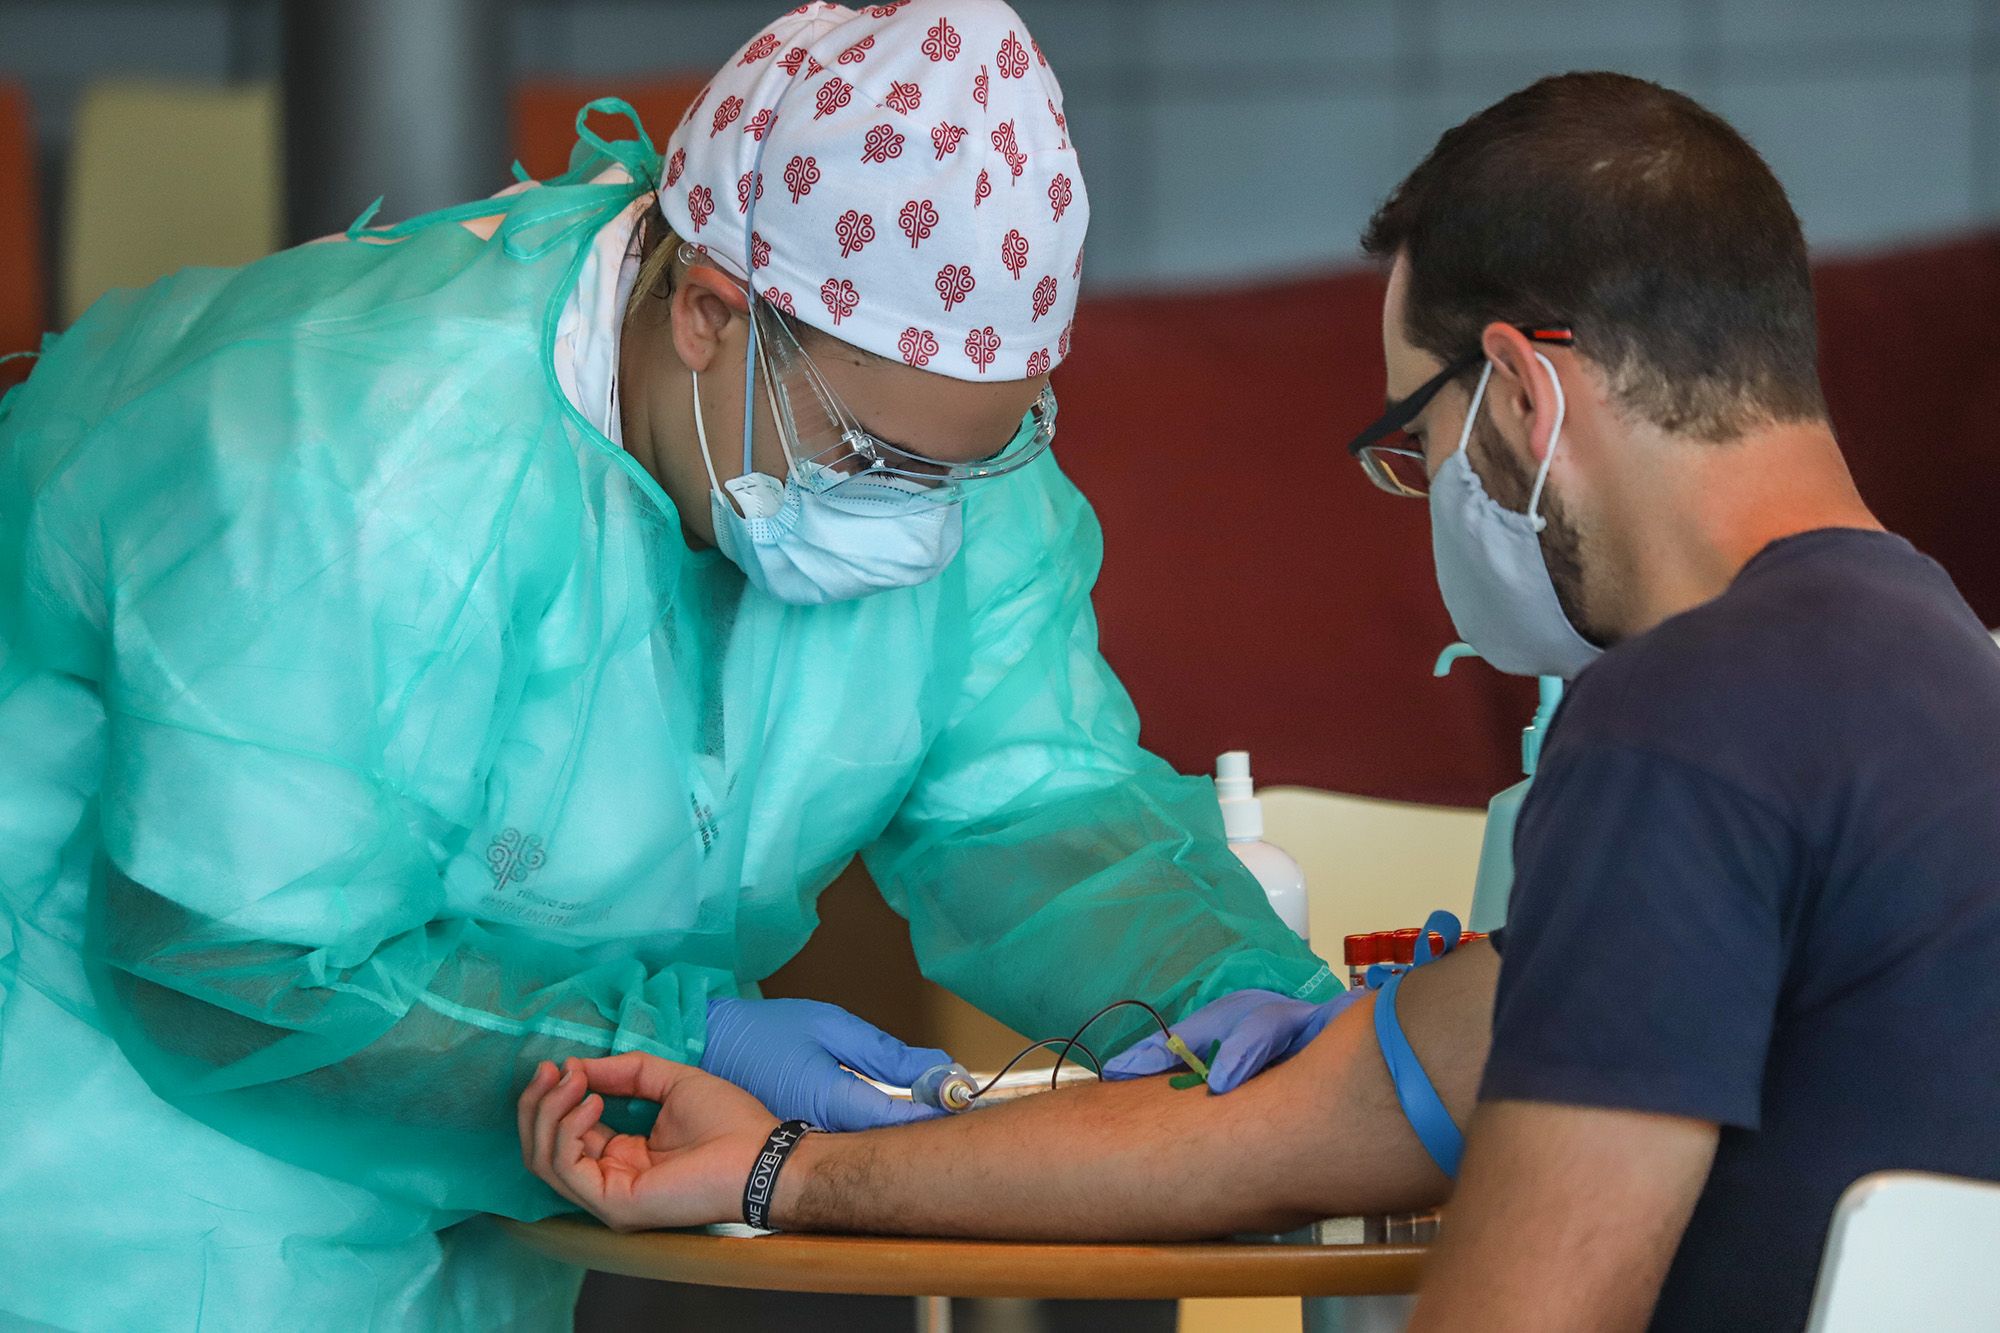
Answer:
(705, 304)
(1520, 396)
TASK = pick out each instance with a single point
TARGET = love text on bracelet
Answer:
(763, 1182)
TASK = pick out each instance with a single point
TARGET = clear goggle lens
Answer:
(829, 450)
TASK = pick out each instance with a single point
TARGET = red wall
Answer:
(22, 301)
(1259, 593)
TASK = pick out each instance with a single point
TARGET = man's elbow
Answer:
(1357, 1151)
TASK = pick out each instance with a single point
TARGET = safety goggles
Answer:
(827, 447)
(1391, 458)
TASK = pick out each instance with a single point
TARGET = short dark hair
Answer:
(1635, 217)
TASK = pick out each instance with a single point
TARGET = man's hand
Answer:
(689, 1171)
(1253, 1029)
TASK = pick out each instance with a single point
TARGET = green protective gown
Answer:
(369, 733)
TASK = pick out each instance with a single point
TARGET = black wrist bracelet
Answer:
(763, 1182)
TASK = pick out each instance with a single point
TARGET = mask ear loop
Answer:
(701, 434)
(753, 499)
(770, 389)
(751, 344)
(1548, 457)
(1472, 412)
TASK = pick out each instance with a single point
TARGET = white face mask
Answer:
(1490, 568)
(808, 548)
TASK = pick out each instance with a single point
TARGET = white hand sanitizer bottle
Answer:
(1243, 820)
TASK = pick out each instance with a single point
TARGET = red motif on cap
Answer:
(904, 97)
(701, 205)
(856, 53)
(1014, 253)
(854, 230)
(918, 218)
(675, 166)
(1062, 343)
(782, 300)
(945, 137)
(941, 42)
(918, 346)
(743, 190)
(979, 86)
(760, 48)
(982, 187)
(1012, 61)
(1005, 144)
(731, 108)
(1060, 195)
(1045, 297)
(794, 61)
(834, 94)
(954, 283)
(801, 174)
(883, 142)
(760, 251)
(839, 298)
(981, 346)
(1038, 363)
(760, 124)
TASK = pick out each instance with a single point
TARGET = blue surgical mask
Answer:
(808, 547)
(1490, 567)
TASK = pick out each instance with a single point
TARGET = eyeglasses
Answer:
(1394, 461)
(827, 447)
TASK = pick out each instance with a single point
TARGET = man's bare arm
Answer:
(1322, 1135)
(1566, 1217)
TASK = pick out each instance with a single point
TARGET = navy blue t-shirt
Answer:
(1758, 883)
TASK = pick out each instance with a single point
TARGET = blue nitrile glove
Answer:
(1255, 1028)
(788, 1055)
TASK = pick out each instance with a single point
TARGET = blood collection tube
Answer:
(1359, 951)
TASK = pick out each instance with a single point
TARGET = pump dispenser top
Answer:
(1242, 812)
(1551, 694)
(1243, 821)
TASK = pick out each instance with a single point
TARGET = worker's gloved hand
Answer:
(788, 1055)
(1255, 1028)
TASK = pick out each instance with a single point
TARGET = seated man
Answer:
(1754, 951)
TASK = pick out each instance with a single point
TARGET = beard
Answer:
(1511, 482)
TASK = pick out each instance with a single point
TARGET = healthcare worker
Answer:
(478, 641)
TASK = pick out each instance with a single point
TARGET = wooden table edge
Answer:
(880, 1266)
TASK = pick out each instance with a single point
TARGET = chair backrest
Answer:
(545, 115)
(163, 176)
(23, 300)
(1911, 1250)
(1373, 864)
